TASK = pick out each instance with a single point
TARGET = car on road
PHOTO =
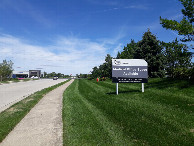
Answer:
(55, 78)
(34, 77)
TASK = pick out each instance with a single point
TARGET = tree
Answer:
(6, 69)
(178, 59)
(105, 69)
(53, 74)
(185, 26)
(60, 75)
(95, 72)
(108, 66)
(128, 51)
(68, 76)
(191, 72)
(83, 75)
(151, 50)
(44, 74)
(118, 55)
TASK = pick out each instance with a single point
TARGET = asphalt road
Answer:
(14, 92)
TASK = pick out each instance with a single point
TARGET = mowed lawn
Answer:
(162, 115)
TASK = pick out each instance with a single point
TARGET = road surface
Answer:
(14, 92)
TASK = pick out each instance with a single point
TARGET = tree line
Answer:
(170, 59)
(53, 74)
(164, 59)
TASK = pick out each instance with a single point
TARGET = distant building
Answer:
(35, 73)
(20, 74)
(26, 74)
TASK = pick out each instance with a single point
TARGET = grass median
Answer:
(162, 115)
(10, 117)
(12, 80)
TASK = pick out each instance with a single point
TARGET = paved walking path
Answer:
(42, 126)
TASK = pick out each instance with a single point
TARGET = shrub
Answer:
(90, 78)
(103, 79)
(191, 73)
(181, 73)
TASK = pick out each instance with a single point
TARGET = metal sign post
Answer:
(117, 88)
(142, 87)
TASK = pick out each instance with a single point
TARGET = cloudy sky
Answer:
(73, 36)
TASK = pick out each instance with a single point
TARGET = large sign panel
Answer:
(129, 71)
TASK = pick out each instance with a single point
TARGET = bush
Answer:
(182, 73)
(103, 79)
(90, 78)
(191, 73)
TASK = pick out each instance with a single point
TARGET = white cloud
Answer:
(67, 55)
(141, 7)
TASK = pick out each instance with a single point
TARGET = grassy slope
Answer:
(13, 115)
(162, 115)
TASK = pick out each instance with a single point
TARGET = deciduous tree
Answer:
(6, 69)
(95, 72)
(178, 59)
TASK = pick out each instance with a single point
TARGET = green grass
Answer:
(13, 115)
(14, 80)
(25, 80)
(162, 115)
(4, 82)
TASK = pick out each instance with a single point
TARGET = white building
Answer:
(20, 74)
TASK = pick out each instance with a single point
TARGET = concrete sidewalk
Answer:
(42, 126)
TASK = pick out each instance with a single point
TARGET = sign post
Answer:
(129, 71)
(142, 87)
(117, 88)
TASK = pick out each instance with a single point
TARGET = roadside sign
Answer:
(129, 71)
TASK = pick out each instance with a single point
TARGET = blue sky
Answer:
(73, 36)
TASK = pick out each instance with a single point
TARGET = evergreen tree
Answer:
(129, 51)
(102, 70)
(118, 55)
(185, 26)
(108, 66)
(151, 50)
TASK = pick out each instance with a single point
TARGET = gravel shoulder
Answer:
(14, 92)
(42, 126)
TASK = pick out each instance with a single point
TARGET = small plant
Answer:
(90, 78)
(103, 79)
